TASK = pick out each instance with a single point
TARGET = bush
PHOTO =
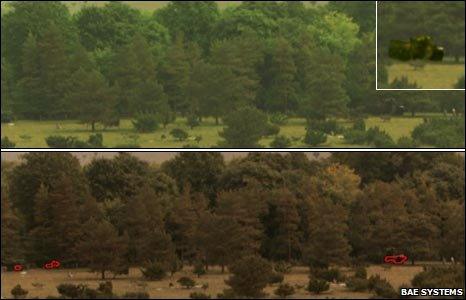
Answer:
(284, 290)
(68, 142)
(440, 277)
(355, 137)
(281, 142)
(106, 288)
(193, 121)
(315, 138)
(199, 295)
(136, 295)
(186, 282)
(317, 286)
(7, 143)
(332, 274)
(199, 269)
(128, 146)
(356, 284)
(154, 271)
(379, 138)
(18, 292)
(361, 273)
(384, 289)
(7, 117)
(272, 129)
(441, 132)
(71, 290)
(282, 267)
(276, 277)
(359, 125)
(179, 134)
(328, 126)
(407, 142)
(278, 119)
(249, 276)
(96, 141)
(146, 123)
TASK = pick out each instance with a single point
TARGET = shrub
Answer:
(106, 288)
(250, 275)
(284, 290)
(356, 284)
(7, 117)
(179, 134)
(96, 141)
(136, 295)
(193, 121)
(326, 126)
(145, 123)
(71, 290)
(154, 271)
(280, 142)
(384, 289)
(272, 129)
(276, 277)
(359, 125)
(278, 119)
(186, 282)
(332, 274)
(199, 269)
(355, 137)
(282, 267)
(407, 142)
(18, 292)
(244, 128)
(7, 143)
(441, 132)
(315, 138)
(439, 277)
(361, 273)
(317, 286)
(128, 146)
(199, 295)
(379, 138)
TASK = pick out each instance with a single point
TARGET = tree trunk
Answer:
(103, 274)
(93, 126)
(223, 268)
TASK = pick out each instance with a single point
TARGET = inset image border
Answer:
(377, 58)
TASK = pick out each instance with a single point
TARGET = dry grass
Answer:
(160, 289)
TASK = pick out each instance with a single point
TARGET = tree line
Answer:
(191, 59)
(197, 209)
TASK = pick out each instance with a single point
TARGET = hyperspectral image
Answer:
(229, 225)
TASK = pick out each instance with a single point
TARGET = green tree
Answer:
(195, 20)
(101, 248)
(279, 82)
(244, 128)
(324, 94)
(11, 226)
(93, 99)
(360, 11)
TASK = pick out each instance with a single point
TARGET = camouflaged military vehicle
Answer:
(418, 48)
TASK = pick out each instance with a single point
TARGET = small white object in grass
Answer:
(23, 273)
(11, 124)
(341, 137)
(199, 286)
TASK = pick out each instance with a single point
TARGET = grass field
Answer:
(32, 134)
(396, 275)
(432, 76)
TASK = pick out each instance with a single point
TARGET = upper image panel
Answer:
(273, 74)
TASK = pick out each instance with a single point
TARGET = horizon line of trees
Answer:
(349, 208)
(191, 59)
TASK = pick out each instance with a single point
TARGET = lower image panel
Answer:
(232, 224)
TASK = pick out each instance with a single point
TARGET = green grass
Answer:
(32, 134)
(432, 76)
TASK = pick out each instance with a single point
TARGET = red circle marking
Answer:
(18, 268)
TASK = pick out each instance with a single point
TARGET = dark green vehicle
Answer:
(418, 48)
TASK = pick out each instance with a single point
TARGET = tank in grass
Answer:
(420, 48)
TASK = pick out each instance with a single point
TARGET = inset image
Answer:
(420, 44)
